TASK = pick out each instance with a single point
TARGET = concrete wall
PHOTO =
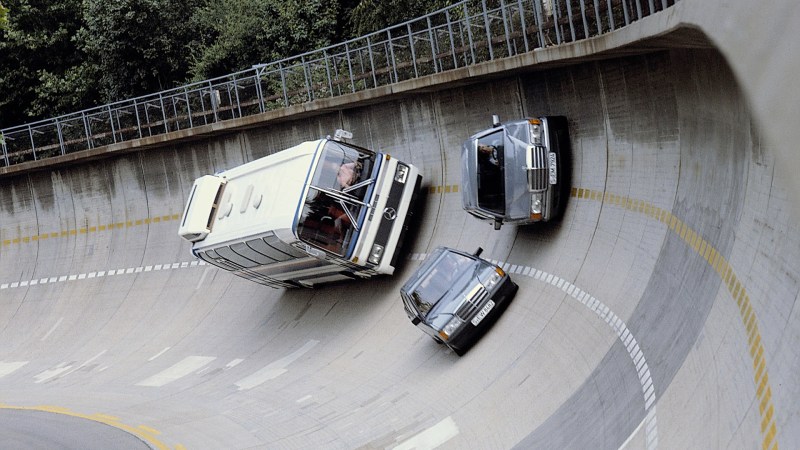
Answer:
(658, 312)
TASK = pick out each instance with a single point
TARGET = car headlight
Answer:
(452, 326)
(536, 207)
(401, 174)
(494, 277)
(376, 254)
(536, 131)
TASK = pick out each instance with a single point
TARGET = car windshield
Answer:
(491, 183)
(336, 197)
(439, 280)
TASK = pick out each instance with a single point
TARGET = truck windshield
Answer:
(439, 280)
(491, 180)
(336, 197)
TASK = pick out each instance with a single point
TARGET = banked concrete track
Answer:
(659, 312)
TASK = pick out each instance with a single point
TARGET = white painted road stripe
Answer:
(179, 370)
(158, 354)
(7, 368)
(275, 369)
(58, 322)
(432, 437)
(89, 275)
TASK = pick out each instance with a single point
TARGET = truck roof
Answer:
(262, 195)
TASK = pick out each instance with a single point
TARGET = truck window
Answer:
(327, 222)
(491, 180)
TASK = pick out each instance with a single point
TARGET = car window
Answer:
(438, 281)
(491, 182)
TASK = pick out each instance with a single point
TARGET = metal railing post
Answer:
(597, 17)
(450, 36)
(33, 145)
(539, 14)
(5, 149)
(138, 122)
(111, 121)
(556, 25)
(505, 26)
(188, 106)
(433, 46)
(60, 139)
(488, 30)
(523, 25)
(469, 33)
(328, 73)
(163, 112)
(87, 130)
(413, 53)
(349, 67)
(372, 63)
(569, 18)
(391, 51)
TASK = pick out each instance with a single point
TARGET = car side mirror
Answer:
(415, 321)
(495, 120)
(497, 224)
(478, 252)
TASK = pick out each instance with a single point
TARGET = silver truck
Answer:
(517, 172)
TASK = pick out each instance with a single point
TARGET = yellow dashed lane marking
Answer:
(718, 262)
(143, 432)
(90, 230)
(440, 189)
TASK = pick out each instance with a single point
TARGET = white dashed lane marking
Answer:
(100, 274)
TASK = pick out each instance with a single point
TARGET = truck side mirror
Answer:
(495, 120)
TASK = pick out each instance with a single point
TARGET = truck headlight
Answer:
(452, 326)
(401, 174)
(376, 254)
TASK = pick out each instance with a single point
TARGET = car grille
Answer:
(537, 174)
(472, 303)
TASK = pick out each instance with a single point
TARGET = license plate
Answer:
(552, 168)
(483, 312)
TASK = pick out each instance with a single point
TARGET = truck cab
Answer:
(517, 171)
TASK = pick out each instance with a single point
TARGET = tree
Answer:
(3, 17)
(37, 49)
(373, 15)
(236, 34)
(137, 46)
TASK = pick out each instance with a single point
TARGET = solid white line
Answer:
(432, 437)
(274, 369)
(176, 371)
(52, 329)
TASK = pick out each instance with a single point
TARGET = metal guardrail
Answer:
(467, 33)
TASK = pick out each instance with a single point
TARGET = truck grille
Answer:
(537, 174)
(472, 303)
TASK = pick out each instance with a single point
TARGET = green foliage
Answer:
(37, 43)
(3, 17)
(373, 15)
(61, 56)
(136, 46)
(236, 34)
